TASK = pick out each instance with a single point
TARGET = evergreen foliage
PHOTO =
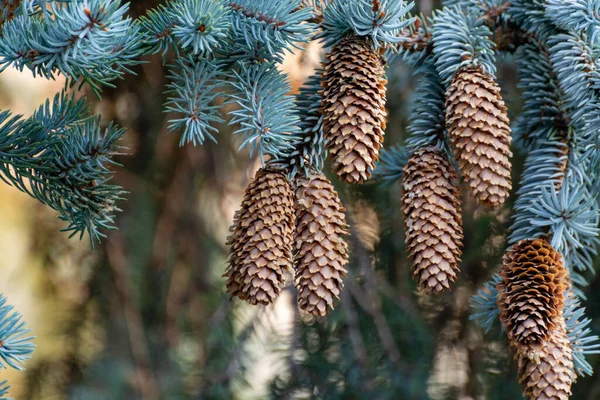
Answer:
(15, 344)
(224, 60)
(3, 390)
(60, 156)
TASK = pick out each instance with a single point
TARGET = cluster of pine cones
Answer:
(531, 295)
(354, 119)
(301, 226)
(280, 228)
(353, 107)
(479, 134)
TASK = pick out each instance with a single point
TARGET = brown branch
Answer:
(135, 326)
(356, 339)
(296, 334)
(248, 13)
(372, 304)
(233, 367)
(417, 39)
(507, 37)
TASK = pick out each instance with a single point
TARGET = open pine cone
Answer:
(261, 239)
(478, 127)
(531, 294)
(353, 107)
(321, 252)
(432, 219)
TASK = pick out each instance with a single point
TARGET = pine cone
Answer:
(261, 239)
(320, 252)
(545, 371)
(353, 108)
(432, 219)
(479, 131)
(531, 295)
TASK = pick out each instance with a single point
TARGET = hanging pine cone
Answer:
(531, 294)
(432, 219)
(353, 107)
(261, 239)
(320, 252)
(545, 371)
(479, 131)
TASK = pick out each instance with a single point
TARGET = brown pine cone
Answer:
(353, 107)
(320, 252)
(546, 370)
(531, 294)
(261, 239)
(478, 128)
(432, 219)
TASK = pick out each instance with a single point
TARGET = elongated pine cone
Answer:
(353, 107)
(261, 239)
(479, 131)
(546, 370)
(531, 294)
(432, 219)
(320, 251)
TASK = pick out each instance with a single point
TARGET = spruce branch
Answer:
(309, 145)
(59, 156)
(157, 29)
(530, 16)
(195, 84)
(543, 116)
(266, 114)
(91, 40)
(428, 117)
(272, 24)
(15, 345)
(506, 34)
(4, 390)
(580, 337)
(390, 166)
(200, 25)
(579, 16)
(569, 214)
(381, 20)
(484, 304)
(194, 27)
(574, 63)
(460, 39)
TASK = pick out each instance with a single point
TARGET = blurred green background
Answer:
(145, 315)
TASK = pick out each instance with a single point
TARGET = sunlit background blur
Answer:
(145, 315)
